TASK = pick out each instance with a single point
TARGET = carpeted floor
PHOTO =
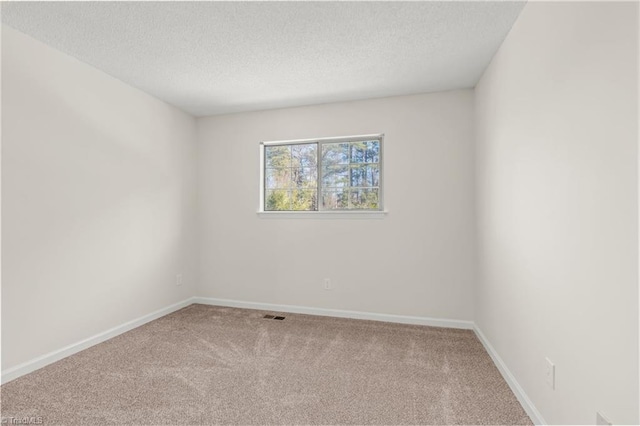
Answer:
(214, 365)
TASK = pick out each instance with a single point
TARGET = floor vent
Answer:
(273, 317)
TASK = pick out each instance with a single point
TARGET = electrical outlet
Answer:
(179, 279)
(551, 374)
(327, 283)
(602, 420)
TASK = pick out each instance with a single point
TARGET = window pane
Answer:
(304, 155)
(303, 199)
(277, 156)
(365, 175)
(364, 198)
(335, 153)
(290, 200)
(336, 199)
(365, 152)
(277, 178)
(277, 200)
(304, 177)
(335, 176)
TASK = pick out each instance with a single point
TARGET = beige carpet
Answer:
(208, 365)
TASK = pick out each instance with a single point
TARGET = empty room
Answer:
(300, 212)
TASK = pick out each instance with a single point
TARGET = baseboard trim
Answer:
(44, 360)
(295, 309)
(524, 400)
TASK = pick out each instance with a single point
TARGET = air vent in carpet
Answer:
(273, 317)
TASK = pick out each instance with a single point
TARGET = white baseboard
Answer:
(44, 360)
(524, 400)
(402, 319)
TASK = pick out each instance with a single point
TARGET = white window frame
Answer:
(320, 141)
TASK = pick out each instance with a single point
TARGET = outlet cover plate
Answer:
(550, 374)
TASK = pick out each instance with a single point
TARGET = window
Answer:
(330, 174)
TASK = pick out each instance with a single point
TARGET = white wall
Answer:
(557, 133)
(418, 260)
(98, 211)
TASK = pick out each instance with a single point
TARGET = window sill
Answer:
(366, 214)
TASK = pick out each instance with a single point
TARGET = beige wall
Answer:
(98, 208)
(418, 260)
(557, 135)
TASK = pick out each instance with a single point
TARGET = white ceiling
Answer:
(219, 57)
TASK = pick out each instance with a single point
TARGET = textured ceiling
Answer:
(218, 57)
